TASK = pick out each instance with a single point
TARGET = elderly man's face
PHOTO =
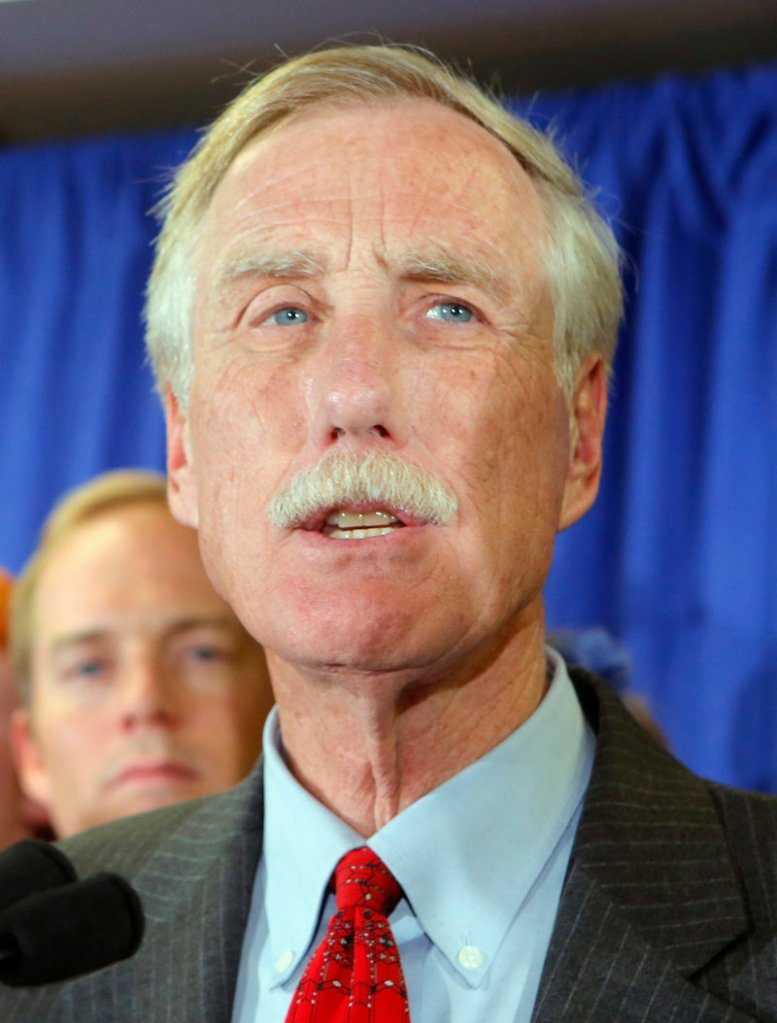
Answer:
(145, 689)
(370, 280)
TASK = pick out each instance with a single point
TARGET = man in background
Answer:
(140, 687)
(19, 817)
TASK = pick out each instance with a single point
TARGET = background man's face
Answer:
(370, 279)
(145, 688)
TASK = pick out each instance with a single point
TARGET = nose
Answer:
(358, 396)
(147, 695)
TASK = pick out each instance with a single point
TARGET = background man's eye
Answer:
(204, 653)
(289, 316)
(208, 654)
(88, 669)
(451, 312)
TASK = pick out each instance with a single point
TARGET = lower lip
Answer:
(393, 540)
(164, 774)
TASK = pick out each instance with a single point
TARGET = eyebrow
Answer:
(225, 622)
(441, 266)
(293, 264)
(453, 268)
(75, 639)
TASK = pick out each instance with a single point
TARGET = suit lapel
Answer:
(601, 967)
(651, 895)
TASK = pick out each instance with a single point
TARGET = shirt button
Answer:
(284, 961)
(470, 958)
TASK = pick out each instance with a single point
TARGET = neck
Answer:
(367, 744)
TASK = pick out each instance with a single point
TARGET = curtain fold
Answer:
(678, 559)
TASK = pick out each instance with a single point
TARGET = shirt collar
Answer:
(303, 843)
(491, 830)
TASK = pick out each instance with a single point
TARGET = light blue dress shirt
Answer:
(481, 861)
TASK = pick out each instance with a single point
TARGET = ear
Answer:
(587, 413)
(181, 476)
(33, 776)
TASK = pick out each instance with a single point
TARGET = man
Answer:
(382, 314)
(19, 817)
(140, 687)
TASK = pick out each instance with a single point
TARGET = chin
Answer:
(143, 802)
(371, 644)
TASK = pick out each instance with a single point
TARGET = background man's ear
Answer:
(30, 769)
(588, 411)
(181, 478)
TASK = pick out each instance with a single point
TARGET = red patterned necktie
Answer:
(354, 976)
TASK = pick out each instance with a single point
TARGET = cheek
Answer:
(226, 733)
(237, 705)
(71, 749)
(499, 421)
(243, 442)
(245, 424)
(246, 396)
(510, 429)
(531, 474)
(8, 786)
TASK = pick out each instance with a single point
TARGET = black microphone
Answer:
(32, 866)
(69, 931)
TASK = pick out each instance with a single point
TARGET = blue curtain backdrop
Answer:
(679, 558)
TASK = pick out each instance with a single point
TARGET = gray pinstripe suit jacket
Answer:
(668, 912)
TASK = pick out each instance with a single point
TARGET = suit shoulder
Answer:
(195, 829)
(747, 809)
(124, 844)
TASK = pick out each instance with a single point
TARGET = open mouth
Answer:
(353, 525)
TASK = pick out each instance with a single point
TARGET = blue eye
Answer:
(205, 654)
(450, 312)
(88, 669)
(289, 316)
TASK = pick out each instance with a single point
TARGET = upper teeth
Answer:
(360, 520)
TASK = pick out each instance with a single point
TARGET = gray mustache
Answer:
(374, 477)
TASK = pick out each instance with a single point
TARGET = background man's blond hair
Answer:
(104, 493)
